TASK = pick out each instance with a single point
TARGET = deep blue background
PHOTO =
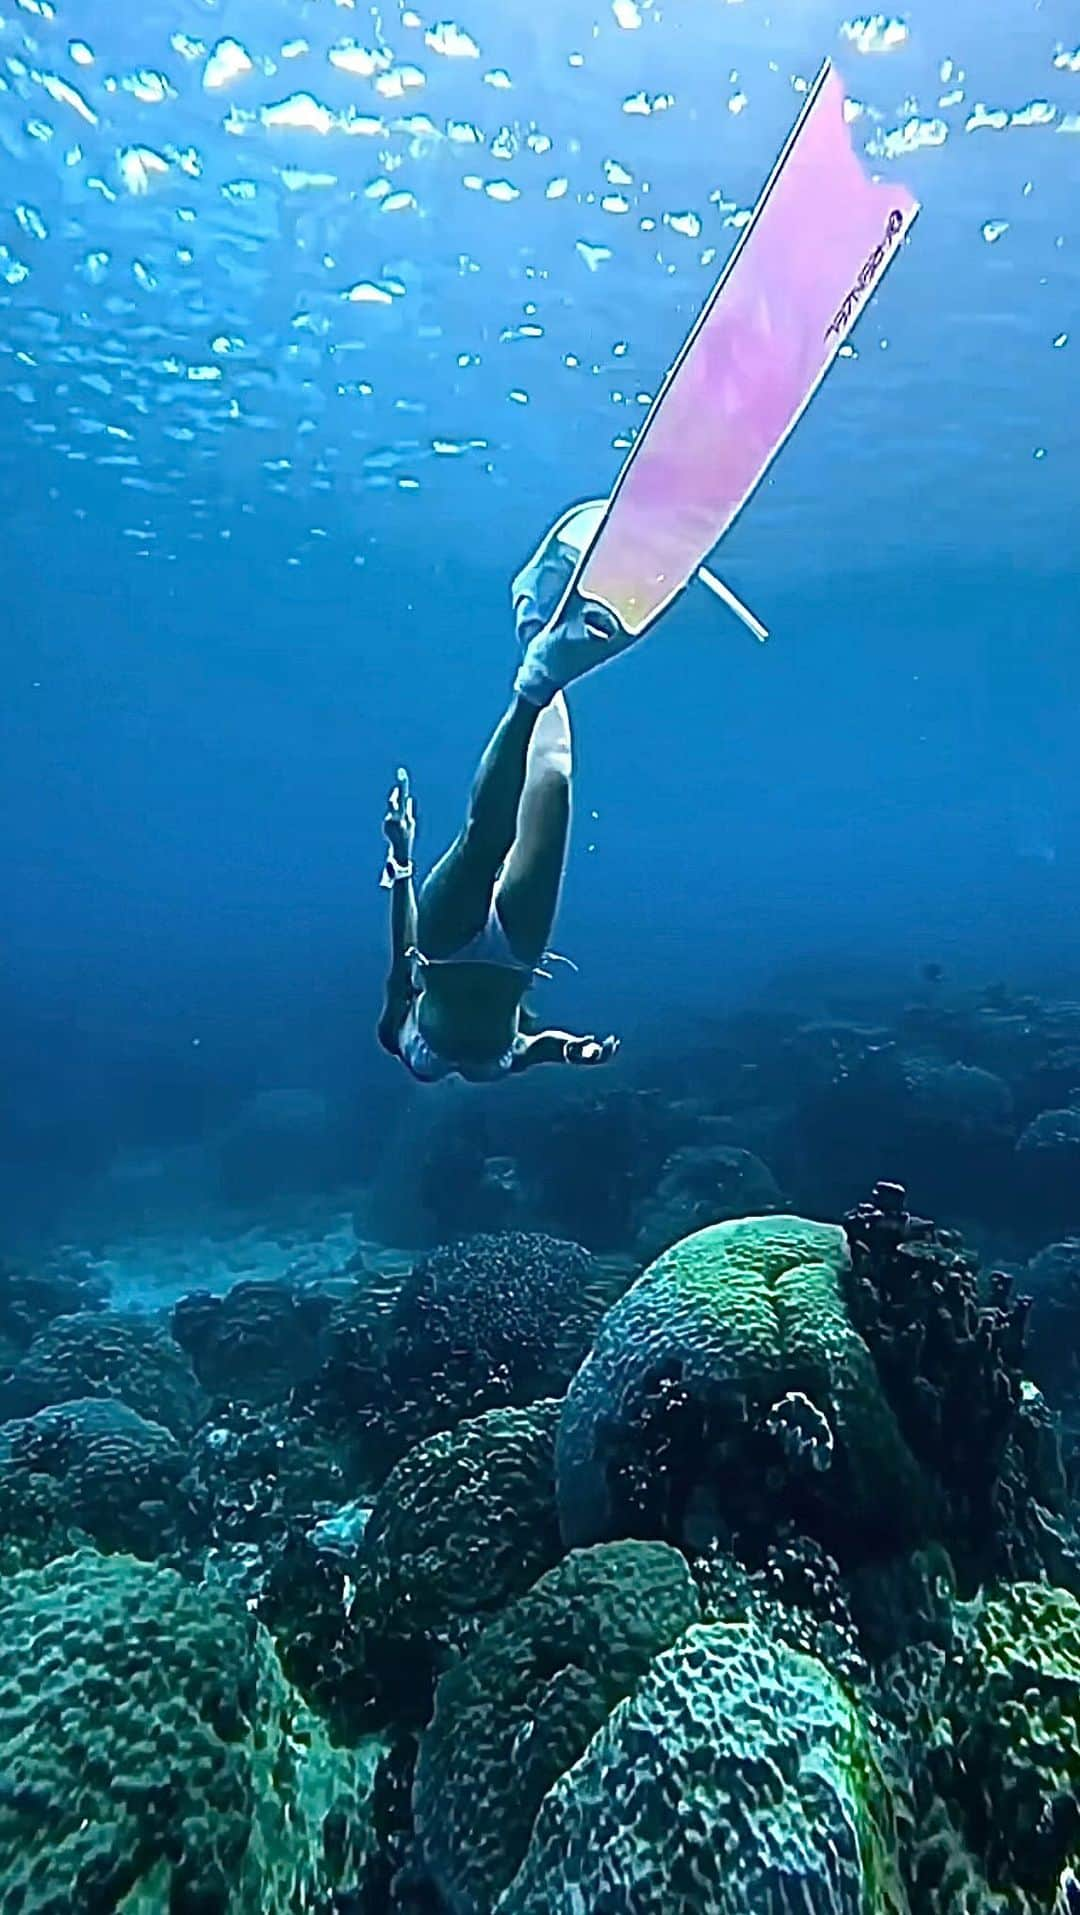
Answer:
(197, 736)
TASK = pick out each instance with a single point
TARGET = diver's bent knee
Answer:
(556, 760)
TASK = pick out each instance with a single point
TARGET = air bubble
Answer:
(139, 166)
(31, 222)
(227, 62)
(594, 256)
(148, 87)
(452, 41)
(686, 223)
(877, 33)
(366, 293)
(300, 111)
(350, 58)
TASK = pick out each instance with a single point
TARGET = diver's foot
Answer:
(539, 588)
(585, 636)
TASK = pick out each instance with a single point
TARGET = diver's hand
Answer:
(590, 1051)
(399, 824)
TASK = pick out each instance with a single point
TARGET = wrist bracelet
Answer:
(393, 872)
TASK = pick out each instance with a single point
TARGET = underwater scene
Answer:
(540, 1003)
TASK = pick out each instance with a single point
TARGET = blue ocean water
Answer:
(314, 317)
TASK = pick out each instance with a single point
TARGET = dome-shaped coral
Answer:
(526, 1701)
(108, 1354)
(729, 1386)
(739, 1776)
(153, 1749)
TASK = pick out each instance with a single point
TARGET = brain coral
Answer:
(467, 1519)
(106, 1354)
(988, 1712)
(526, 1701)
(119, 1475)
(153, 1751)
(35, 1521)
(729, 1382)
(738, 1777)
(1014, 1715)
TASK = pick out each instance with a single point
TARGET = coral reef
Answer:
(255, 1479)
(109, 1354)
(699, 1796)
(1016, 1736)
(729, 1384)
(525, 1703)
(30, 1298)
(952, 1361)
(592, 1159)
(446, 1171)
(117, 1476)
(486, 1323)
(702, 1184)
(1053, 1343)
(949, 1123)
(1048, 1154)
(150, 1738)
(368, 1604)
(991, 1719)
(512, 1578)
(957, 1100)
(466, 1520)
(36, 1521)
(256, 1342)
(490, 1319)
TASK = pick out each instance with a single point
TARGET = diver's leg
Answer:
(456, 896)
(527, 894)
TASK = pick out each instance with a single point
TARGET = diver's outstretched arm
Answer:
(399, 826)
(398, 989)
(562, 1047)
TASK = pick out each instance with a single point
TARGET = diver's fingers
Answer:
(400, 805)
(601, 1050)
(592, 1051)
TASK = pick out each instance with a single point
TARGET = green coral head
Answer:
(766, 1247)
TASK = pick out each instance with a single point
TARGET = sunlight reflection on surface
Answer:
(366, 205)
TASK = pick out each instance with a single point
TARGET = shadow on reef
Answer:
(513, 1576)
